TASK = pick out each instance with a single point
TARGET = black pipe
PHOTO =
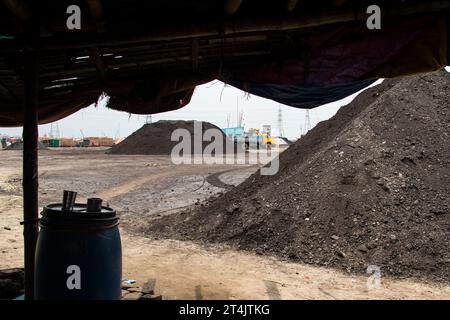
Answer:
(94, 205)
(69, 198)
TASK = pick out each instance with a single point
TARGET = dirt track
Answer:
(142, 187)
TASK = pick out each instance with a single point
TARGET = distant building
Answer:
(232, 132)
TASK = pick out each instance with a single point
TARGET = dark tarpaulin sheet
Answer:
(333, 62)
(306, 97)
(348, 53)
(448, 39)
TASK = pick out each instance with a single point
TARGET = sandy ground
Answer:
(144, 187)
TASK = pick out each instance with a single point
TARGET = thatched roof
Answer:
(148, 56)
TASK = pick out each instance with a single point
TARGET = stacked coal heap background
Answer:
(370, 186)
(18, 145)
(155, 138)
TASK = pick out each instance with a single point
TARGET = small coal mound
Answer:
(155, 138)
(370, 186)
(11, 283)
(18, 145)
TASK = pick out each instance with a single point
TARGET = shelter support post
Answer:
(30, 169)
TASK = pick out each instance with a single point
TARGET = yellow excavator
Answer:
(258, 138)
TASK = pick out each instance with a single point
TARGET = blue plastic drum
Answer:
(78, 254)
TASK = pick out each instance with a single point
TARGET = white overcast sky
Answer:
(211, 102)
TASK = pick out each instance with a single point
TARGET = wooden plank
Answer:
(18, 8)
(96, 9)
(30, 169)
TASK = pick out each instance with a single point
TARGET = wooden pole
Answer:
(30, 169)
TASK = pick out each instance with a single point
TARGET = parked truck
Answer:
(253, 138)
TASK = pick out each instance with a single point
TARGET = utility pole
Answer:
(117, 136)
(237, 112)
(307, 125)
(54, 131)
(240, 119)
(280, 122)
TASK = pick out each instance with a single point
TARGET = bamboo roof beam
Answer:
(194, 54)
(232, 6)
(229, 28)
(96, 9)
(4, 91)
(18, 8)
(291, 4)
(99, 64)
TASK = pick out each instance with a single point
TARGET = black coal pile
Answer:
(18, 145)
(156, 138)
(370, 186)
